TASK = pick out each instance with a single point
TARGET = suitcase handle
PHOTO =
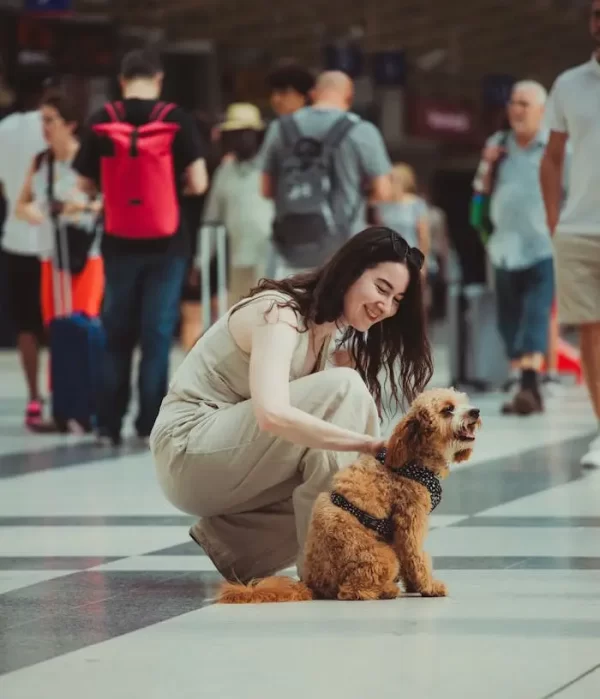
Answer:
(208, 231)
(62, 278)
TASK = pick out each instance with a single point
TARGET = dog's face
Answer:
(439, 429)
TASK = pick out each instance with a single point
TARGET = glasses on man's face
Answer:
(412, 255)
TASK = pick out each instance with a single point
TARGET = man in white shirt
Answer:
(573, 113)
(20, 140)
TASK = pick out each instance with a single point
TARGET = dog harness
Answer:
(385, 527)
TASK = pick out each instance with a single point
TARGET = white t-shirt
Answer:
(574, 108)
(20, 141)
(65, 189)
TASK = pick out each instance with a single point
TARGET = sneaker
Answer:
(591, 459)
(104, 438)
(594, 445)
(525, 402)
(33, 414)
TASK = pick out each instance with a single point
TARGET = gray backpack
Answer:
(304, 231)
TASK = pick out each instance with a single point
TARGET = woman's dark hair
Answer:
(290, 75)
(243, 143)
(399, 343)
(66, 107)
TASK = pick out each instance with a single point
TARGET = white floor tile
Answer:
(588, 687)
(514, 541)
(87, 541)
(579, 498)
(122, 486)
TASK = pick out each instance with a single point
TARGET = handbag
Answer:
(78, 240)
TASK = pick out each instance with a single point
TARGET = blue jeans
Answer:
(524, 299)
(141, 304)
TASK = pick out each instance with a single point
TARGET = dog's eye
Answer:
(448, 410)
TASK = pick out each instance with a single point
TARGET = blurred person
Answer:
(520, 248)
(291, 86)
(60, 123)
(439, 261)
(192, 322)
(358, 168)
(407, 211)
(7, 96)
(21, 138)
(255, 426)
(235, 199)
(145, 266)
(572, 117)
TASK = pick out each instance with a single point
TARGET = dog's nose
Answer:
(474, 413)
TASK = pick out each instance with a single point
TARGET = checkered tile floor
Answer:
(103, 594)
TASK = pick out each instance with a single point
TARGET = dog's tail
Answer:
(274, 589)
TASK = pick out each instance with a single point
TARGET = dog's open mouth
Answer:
(466, 434)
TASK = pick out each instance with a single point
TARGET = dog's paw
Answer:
(436, 589)
(390, 591)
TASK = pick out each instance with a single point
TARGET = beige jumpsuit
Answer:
(253, 491)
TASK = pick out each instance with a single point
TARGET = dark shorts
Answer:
(524, 299)
(23, 289)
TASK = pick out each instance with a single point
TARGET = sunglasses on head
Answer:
(412, 255)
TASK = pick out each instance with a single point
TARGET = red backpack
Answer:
(138, 180)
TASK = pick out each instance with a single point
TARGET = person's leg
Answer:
(508, 310)
(589, 339)
(553, 337)
(120, 318)
(534, 333)
(254, 491)
(578, 284)
(23, 277)
(162, 283)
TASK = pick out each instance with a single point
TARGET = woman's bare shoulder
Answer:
(264, 308)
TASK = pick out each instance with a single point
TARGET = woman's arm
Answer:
(26, 208)
(274, 340)
(423, 235)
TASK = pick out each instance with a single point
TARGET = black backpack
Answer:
(304, 231)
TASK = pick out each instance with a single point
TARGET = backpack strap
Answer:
(502, 143)
(39, 159)
(161, 111)
(114, 109)
(338, 132)
(290, 132)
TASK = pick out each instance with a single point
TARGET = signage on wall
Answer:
(441, 120)
(53, 6)
(73, 48)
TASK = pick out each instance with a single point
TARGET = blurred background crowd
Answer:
(442, 89)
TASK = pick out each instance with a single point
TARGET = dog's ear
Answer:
(408, 439)
(463, 455)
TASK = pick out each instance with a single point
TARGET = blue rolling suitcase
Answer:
(76, 352)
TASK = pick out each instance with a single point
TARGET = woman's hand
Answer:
(33, 214)
(373, 446)
(73, 207)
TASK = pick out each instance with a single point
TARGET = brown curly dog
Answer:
(368, 532)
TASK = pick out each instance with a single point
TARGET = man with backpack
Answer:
(142, 154)
(320, 166)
